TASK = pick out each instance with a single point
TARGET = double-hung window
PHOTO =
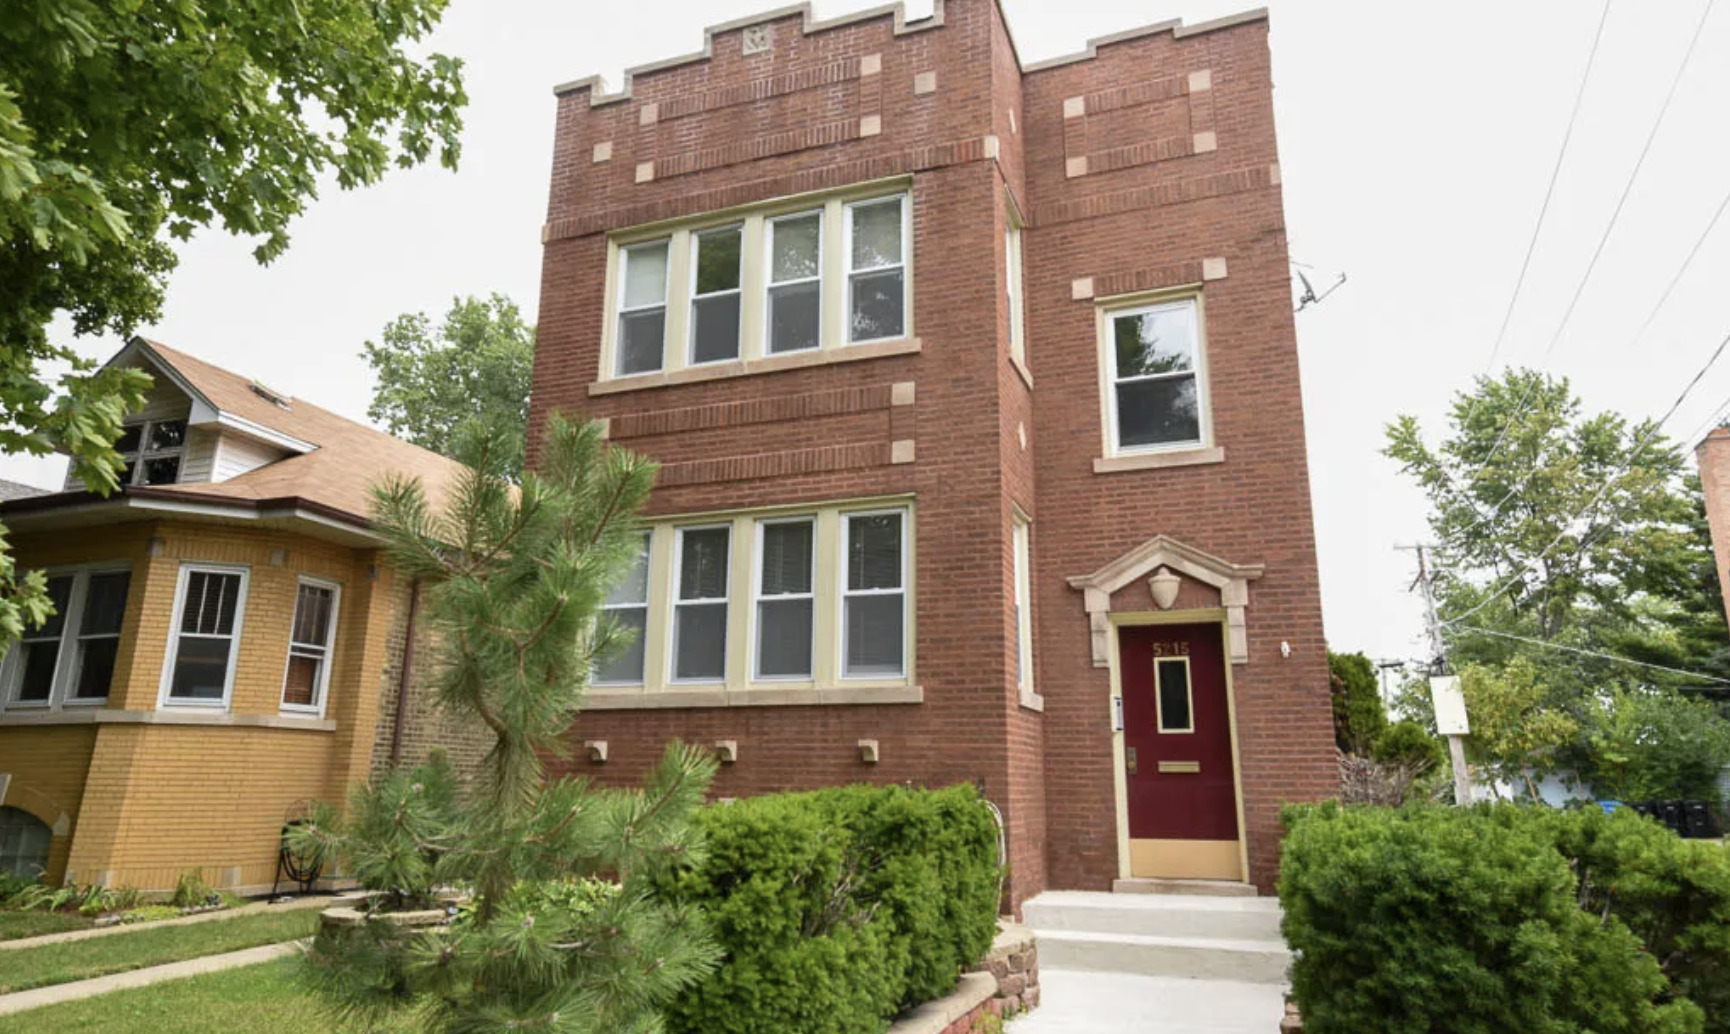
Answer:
(700, 608)
(786, 565)
(873, 596)
(311, 637)
(715, 269)
(39, 648)
(876, 269)
(795, 282)
(151, 452)
(70, 659)
(1023, 606)
(627, 607)
(642, 330)
(1156, 391)
(202, 650)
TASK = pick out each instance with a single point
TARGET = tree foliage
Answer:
(125, 123)
(1359, 717)
(1519, 733)
(563, 928)
(474, 368)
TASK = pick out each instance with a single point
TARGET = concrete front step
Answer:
(1155, 915)
(1249, 961)
(1195, 888)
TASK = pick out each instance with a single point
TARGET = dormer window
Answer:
(151, 451)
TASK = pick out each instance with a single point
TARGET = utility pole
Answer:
(1444, 687)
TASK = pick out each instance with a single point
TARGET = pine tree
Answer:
(556, 925)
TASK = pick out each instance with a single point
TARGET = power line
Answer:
(1597, 654)
(1603, 489)
(1609, 228)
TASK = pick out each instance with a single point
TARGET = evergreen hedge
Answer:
(1503, 918)
(839, 908)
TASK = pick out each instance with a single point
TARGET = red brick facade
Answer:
(1136, 167)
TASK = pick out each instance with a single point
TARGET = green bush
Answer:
(838, 908)
(1409, 744)
(1437, 921)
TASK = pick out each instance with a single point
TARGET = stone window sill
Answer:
(103, 716)
(1158, 460)
(1021, 368)
(635, 699)
(1032, 701)
(750, 367)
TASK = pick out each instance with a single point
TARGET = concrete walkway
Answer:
(38, 997)
(316, 901)
(1076, 1002)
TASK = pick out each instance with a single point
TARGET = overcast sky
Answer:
(1416, 142)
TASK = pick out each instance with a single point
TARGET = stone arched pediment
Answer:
(1148, 560)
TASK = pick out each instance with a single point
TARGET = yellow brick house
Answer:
(229, 643)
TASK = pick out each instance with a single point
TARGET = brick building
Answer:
(975, 389)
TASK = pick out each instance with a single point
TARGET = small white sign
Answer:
(1450, 706)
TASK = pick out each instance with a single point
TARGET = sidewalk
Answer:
(1076, 1002)
(38, 997)
(315, 901)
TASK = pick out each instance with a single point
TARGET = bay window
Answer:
(70, 659)
(208, 608)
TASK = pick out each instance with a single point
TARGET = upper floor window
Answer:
(1157, 397)
(312, 633)
(793, 276)
(876, 270)
(151, 452)
(628, 608)
(642, 330)
(70, 659)
(715, 268)
(204, 644)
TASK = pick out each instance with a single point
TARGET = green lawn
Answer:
(14, 925)
(263, 999)
(21, 969)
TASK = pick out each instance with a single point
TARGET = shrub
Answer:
(1437, 921)
(838, 908)
(190, 891)
(1409, 745)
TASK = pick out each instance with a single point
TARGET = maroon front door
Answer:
(1181, 782)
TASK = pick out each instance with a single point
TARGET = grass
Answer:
(262, 999)
(22, 969)
(16, 924)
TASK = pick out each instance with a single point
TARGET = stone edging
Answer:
(219, 915)
(1004, 984)
(953, 1011)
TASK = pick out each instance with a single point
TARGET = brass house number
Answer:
(1171, 649)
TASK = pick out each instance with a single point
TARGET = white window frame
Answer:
(66, 660)
(757, 596)
(322, 690)
(621, 310)
(163, 698)
(843, 573)
(691, 293)
(904, 200)
(1204, 402)
(648, 556)
(676, 601)
(145, 453)
(1021, 532)
(770, 283)
(1014, 275)
(1159, 697)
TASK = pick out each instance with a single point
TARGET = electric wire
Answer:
(1597, 654)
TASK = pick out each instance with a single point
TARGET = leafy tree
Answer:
(1518, 733)
(562, 928)
(123, 122)
(1568, 512)
(1358, 714)
(474, 368)
(1647, 743)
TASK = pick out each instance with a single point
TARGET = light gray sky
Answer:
(1416, 141)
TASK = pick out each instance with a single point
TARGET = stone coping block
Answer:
(936, 1017)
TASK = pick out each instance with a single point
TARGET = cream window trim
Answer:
(755, 258)
(69, 647)
(1159, 696)
(759, 598)
(1015, 290)
(744, 562)
(1021, 546)
(903, 266)
(175, 637)
(617, 310)
(900, 591)
(607, 608)
(725, 600)
(1105, 312)
(766, 272)
(325, 655)
(695, 245)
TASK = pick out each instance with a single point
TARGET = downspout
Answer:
(406, 674)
